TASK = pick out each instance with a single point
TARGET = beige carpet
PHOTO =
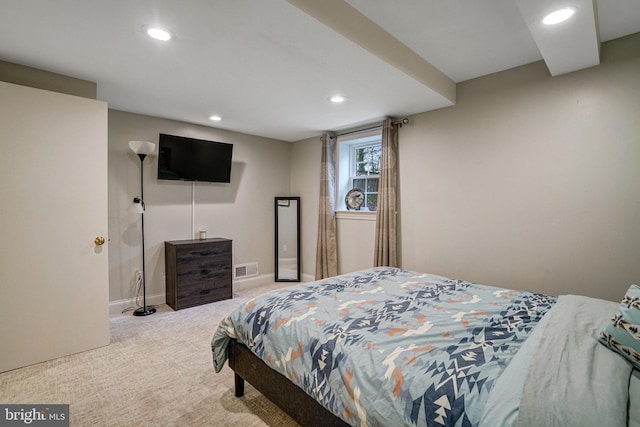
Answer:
(157, 371)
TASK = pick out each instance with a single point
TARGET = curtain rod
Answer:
(400, 122)
(361, 130)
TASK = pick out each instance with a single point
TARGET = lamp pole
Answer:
(144, 310)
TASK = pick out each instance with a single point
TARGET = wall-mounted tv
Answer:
(189, 159)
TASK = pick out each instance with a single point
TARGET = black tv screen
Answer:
(189, 159)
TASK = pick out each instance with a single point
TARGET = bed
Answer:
(387, 346)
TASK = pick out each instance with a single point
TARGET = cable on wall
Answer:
(193, 209)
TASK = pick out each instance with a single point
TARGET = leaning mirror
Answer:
(287, 239)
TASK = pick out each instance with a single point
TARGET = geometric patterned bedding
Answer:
(386, 346)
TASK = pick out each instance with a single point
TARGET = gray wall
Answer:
(305, 182)
(241, 211)
(529, 182)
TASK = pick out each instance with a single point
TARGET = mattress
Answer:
(386, 346)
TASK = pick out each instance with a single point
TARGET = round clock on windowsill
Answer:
(354, 199)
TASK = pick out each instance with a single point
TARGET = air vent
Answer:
(245, 270)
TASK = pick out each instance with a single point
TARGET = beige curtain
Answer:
(385, 251)
(327, 249)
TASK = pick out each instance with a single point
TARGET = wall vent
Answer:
(249, 269)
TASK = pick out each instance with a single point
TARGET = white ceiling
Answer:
(267, 67)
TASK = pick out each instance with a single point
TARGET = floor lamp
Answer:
(142, 149)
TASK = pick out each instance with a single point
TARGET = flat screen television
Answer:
(189, 159)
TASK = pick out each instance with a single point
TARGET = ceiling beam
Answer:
(569, 46)
(348, 21)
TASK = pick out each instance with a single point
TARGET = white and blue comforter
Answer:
(386, 346)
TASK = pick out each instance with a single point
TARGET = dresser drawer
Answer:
(195, 266)
(204, 273)
(202, 293)
(197, 252)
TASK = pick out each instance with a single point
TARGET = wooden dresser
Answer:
(197, 271)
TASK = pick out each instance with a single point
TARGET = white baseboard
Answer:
(117, 307)
(252, 282)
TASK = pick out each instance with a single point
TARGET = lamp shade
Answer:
(142, 147)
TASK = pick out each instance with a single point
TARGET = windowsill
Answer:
(357, 215)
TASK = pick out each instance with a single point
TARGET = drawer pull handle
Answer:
(205, 271)
(205, 291)
(205, 253)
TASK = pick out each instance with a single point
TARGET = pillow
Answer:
(623, 334)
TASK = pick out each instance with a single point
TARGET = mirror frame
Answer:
(286, 201)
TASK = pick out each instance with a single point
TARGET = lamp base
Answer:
(144, 311)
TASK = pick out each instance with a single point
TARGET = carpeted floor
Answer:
(157, 371)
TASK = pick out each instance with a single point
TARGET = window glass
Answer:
(365, 167)
(367, 160)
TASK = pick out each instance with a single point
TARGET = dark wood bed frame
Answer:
(289, 397)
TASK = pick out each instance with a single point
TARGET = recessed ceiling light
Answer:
(215, 118)
(559, 16)
(158, 33)
(337, 99)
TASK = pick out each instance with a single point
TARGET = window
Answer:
(359, 167)
(365, 171)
